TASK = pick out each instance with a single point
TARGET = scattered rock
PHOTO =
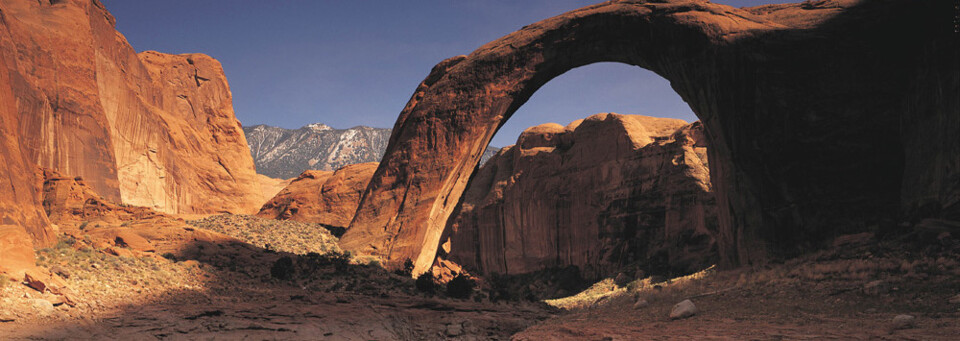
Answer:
(876, 288)
(55, 300)
(60, 271)
(42, 282)
(640, 304)
(955, 299)
(44, 307)
(454, 329)
(903, 321)
(683, 310)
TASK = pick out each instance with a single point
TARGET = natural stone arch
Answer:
(747, 76)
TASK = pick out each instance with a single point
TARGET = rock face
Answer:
(284, 153)
(270, 186)
(121, 229)
(328, 198)
(146, 129)
(22, 221)
(599, 194)
(822, 119)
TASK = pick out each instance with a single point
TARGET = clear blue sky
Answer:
(356, 62)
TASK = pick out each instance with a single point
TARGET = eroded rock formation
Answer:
(121, 229)
(600, 194)
(146, 129)
(323, 197)
(811, 111)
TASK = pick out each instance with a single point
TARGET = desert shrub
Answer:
(425, 283)
(83, 225)
(460, 286)
(312, 263)
(283, 268)
(407, 269)
(65, 243)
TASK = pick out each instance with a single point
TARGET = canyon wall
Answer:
(146, 129)
(812, 112)
(601, 194)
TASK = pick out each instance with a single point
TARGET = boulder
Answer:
(42, 306)
(42, 281)
(904, 321)
(822, 118)
(683, 310)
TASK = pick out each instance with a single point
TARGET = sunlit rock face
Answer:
(822, 118)
(147, 129)
(602, 193)
(322, 197)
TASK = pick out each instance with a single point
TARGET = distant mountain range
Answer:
(285, 153)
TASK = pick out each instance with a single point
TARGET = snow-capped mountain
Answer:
(285, 153)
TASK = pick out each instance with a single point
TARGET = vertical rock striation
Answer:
(602, 193)
(145, 129)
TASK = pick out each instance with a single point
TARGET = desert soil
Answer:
(833, 294)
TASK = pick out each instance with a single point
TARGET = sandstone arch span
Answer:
(804, 106)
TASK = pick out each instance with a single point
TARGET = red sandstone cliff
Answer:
(601, 193)
(323, 197)
(146, 129)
